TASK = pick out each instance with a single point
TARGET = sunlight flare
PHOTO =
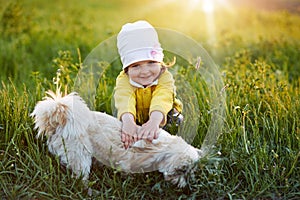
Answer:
(208, 6)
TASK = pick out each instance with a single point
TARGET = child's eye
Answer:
(134, 66)
(152, 62)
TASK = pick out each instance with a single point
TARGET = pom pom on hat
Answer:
(137, 42)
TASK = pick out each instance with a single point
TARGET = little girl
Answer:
(145, 90)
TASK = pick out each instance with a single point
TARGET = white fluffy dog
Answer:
(76, 134)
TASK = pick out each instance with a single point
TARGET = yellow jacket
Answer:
(142, 101)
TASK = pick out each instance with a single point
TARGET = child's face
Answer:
(144, 72)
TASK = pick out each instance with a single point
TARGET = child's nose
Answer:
(144, 68)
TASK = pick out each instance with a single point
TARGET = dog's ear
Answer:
(48, 116)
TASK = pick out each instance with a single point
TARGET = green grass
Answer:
(258, 52)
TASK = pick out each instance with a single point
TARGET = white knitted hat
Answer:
(137, 42)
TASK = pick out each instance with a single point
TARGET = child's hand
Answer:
(150, 129)
(129, 129)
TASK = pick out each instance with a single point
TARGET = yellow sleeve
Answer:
(163, 95)
(124, 96)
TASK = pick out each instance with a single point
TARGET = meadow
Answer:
(257, 52)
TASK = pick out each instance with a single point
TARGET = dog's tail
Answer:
(65, 121)
(56, 112)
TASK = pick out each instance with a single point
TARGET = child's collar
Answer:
(135, 84)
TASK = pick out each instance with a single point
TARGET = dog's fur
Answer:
(76, 134)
